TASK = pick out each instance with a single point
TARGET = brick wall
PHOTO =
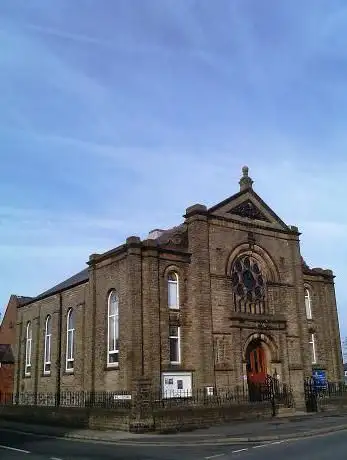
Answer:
(64, 417)
(334, 403)
(8, 336)
(122, 275)
(162, 420)
(324, 324)
(199, 295)
(6, 378)
(8, 323)
(57, 307)
(185, 419)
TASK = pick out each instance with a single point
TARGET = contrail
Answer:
(70, 36)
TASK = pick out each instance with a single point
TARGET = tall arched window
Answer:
(249, 286)
(173, 290)
(47, 352)
(308, 303)
(70, 340)
(28, 348)
(113, 330)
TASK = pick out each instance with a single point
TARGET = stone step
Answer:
(284, 411)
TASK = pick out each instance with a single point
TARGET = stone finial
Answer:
(245, 181)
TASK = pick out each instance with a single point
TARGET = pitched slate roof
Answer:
(79, 278)
(23, 299)
(166, 235)
(6, 354)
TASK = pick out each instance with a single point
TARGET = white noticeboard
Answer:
(176, 384)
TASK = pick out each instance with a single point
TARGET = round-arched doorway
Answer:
(257, 362)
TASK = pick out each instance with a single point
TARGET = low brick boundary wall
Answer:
(175, 419)
(162, 420)
(333, 403)
(68, 417)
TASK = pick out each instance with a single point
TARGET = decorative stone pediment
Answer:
(247, 206)
(248, 209)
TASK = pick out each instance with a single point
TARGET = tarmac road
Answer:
(20, 446)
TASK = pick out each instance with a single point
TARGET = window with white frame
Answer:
(47, 351)
(70, 340)
(308, 303)
(174, 344)
(113, 330)
(312, 343)
(28, 348)
(173, 290)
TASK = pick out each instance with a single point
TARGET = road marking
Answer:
(55, 458)
(278, 442)
(214, 456)
(240, 450)
(261, 445)
(14, 449)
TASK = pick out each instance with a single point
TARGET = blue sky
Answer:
(116, 115)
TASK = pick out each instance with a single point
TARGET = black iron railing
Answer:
(272, 392)
(319, 393)
(102, 399)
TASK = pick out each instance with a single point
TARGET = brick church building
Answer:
(221, 300)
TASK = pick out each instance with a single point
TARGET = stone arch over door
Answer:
(259, 352)
(266, 339)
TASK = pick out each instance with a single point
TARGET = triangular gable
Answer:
(247, 205)
(249, 209)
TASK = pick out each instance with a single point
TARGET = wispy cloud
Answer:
(113, 121)
(70, 36)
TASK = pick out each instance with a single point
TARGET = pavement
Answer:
(295, 426)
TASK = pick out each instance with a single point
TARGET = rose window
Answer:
(248, 286)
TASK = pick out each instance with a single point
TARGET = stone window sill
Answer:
(69, 372)
(112, 367)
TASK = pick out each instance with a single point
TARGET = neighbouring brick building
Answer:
(223, 299)
(7, 342)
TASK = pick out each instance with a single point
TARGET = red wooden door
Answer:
(256, 364)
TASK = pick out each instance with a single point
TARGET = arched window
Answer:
(47, 352)
(173, 290)
(113, 330)
(28, 348)
(70, 340)
(249, 286)
(308, 303)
